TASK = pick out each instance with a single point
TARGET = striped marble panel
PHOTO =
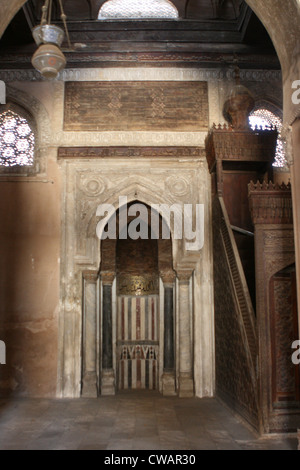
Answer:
(137, 345)
(137, 318)
(138, 367)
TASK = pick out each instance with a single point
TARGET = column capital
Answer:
(184, 275)
(168, 277)
(107, 277)
(91, 276)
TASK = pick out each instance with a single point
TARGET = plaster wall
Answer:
(48, 228)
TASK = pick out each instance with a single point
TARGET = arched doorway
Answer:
(285, 378)
(137, 276)
(137, 311)
(88, 362)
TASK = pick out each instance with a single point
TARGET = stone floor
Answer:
(129, 421)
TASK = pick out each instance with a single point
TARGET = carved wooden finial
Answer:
(238, 107)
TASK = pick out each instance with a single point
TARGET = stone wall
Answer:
(30, 235)
(38, 275)
(29, 282)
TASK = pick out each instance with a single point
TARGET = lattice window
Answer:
(265, 119)
(17, 141)
(137, 9)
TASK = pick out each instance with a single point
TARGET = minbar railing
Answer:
(246, 313)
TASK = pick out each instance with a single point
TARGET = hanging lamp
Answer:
(48, 59)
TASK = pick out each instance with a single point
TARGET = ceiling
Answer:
(208, 32)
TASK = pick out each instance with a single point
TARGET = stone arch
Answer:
(8, 11)
(31, 162)
(135, 191)
(270, 106)
(80, 281)
(282, 23)
(36, 109)
(166, 265)
(137, 283)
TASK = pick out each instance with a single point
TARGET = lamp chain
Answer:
(64, 20)
(47, 11)
(44, 12)
(50, 12)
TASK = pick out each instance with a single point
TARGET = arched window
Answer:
(265, 119)
(17, 140)
(137, 9)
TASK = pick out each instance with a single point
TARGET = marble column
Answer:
(107, 375)
(186, 381)
(168, 378)
(89, 366)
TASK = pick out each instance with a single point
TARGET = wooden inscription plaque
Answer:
(136, 106)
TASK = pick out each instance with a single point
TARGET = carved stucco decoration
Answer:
(178, 186)
(141, 180)
(71, 293)
(92, 185)
(107, 184)
(146, 74)
(275, 262)
(275, 251)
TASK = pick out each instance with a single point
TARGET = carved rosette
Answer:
(178, 186)
(92, 185)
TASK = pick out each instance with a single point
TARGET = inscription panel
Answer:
(136, 106)
(129, 284)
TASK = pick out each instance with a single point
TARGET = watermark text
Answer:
(296, 94)
(2, 353)
(2, 92)
(182, 221)
(296, 354)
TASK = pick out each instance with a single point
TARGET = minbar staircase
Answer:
(240, 285)
(238, 387)
(237, 155)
